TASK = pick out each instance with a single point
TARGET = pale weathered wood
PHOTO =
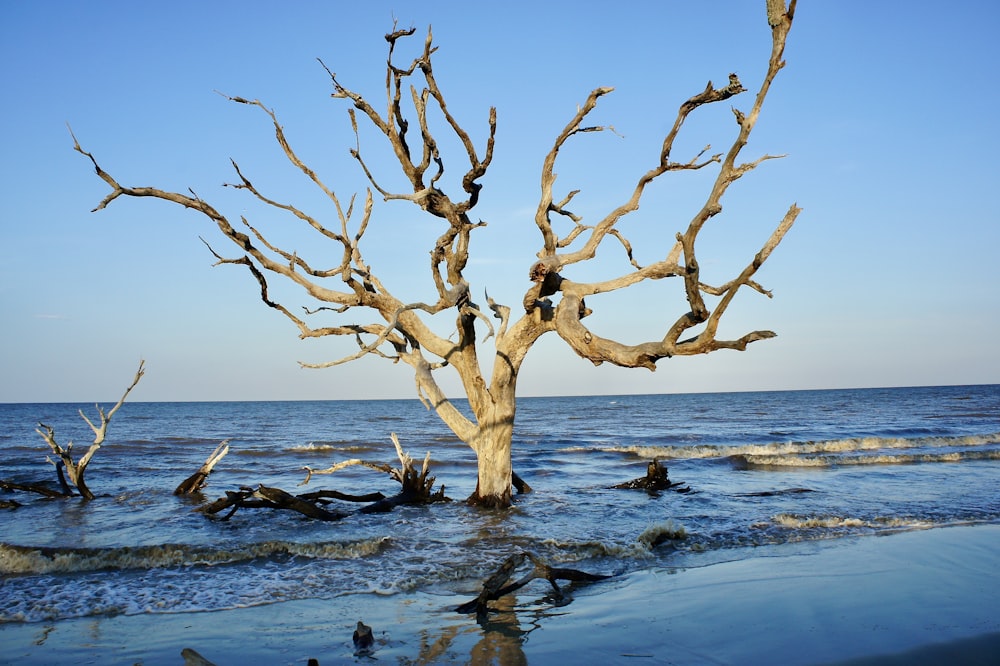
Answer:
(75, 470)
(197, 481)
(265, 497)
(447, 188)
(416, 487)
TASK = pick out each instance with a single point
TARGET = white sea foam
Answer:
(660, 532)
(326, 447)
(799, 522)
(873, 459)
(834, 446)
(26, 560)
(642, 548)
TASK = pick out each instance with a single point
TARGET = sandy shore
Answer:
(917, 597)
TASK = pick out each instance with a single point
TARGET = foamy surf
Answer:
(26, 560)
(786, 449)
(796, 460)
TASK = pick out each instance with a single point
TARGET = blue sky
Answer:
(887, 113)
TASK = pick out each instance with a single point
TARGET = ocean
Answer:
(763, 469)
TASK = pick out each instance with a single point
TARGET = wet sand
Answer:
(918, 597)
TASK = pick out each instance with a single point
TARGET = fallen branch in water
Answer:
(496, 587)
(416, 488)
(39, 488)
(199, 479)
(265, 497)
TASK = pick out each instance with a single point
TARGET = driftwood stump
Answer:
(656, 479)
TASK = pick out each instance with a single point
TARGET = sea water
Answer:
(763, 470)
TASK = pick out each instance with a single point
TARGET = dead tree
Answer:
(355, 303)
(265, 497)
(75, 470)
(496, 585)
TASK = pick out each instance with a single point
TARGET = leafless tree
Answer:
(384, 325)
(76, 469)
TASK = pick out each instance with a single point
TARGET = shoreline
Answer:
(907, 597)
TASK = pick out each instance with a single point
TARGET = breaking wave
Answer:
(875, 459)
(27, 560)
(641, 548)
(838, 450)
(806, 522)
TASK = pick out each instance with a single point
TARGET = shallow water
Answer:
(764, 469)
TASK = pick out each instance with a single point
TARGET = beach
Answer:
(918, 596)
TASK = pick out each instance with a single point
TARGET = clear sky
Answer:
(887, 113)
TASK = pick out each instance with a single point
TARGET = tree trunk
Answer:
(492, 444)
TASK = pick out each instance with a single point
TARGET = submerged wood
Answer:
(265, 497)
(656, 479)
(323, 496)
(416, 488)
(496, 585)
(39, 488)
(192, 658)
(199, 479)
(519, 484)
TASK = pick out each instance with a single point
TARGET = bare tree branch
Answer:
(64, 455)
(571, 307)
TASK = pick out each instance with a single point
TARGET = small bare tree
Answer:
(391, 328)
(75, 470)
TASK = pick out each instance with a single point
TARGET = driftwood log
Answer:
(519, 484)
(416, 487)
(497, 585)
(9, 504)
(199, 479)
(39, 488)
(656, 479)
(265, 497)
